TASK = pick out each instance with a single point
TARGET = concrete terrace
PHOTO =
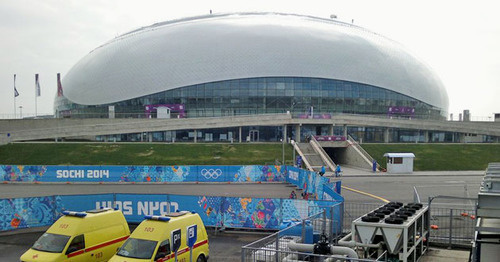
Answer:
(13, 130)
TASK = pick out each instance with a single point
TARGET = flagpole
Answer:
(15, 115)
(36, 91)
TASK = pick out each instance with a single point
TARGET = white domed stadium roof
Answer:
(212, 48)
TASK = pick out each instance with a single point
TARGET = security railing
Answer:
(452, 226)
(281, 246)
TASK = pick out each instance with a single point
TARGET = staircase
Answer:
(311, 155)
(314, 156)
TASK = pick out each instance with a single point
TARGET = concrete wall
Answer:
(350, 156)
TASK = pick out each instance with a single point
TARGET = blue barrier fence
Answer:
(236, 212)
(309, 181)
(232, 212)
(143, 173)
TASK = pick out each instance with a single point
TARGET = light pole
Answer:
(283, 150)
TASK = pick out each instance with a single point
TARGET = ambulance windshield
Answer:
(137, 248)
(51, 243)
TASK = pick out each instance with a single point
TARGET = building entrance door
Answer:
(254, 135)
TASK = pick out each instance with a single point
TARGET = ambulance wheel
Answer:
(201, 258)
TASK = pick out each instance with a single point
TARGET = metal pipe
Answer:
(346, 243)
(301, 247)
(335, 250)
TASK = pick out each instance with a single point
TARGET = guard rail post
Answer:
(303, 231)
(451, 228)
(324, 222)
(276, 253)
(330, 238)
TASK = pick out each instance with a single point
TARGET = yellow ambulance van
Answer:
(93, 235)
(180, 235)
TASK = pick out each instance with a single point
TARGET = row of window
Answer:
(266, 95)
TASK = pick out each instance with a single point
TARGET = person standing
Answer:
(322, 171)
(337, 171)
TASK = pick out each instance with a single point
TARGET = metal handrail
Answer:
(322, 153)
(368, 157)
(296, 147)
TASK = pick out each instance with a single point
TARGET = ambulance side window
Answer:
(163, 249)
(77, 243)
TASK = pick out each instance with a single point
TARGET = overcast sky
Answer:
(460, 40)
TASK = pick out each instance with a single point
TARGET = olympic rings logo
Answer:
(211, 173)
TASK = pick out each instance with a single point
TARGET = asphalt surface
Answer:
(386, 186)
(272, 190)
(224, 246)
(463, 184)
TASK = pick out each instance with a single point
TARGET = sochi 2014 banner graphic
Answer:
(21, 173)
(233, 212)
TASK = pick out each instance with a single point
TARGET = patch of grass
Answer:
(141, 154)
(436, 157)
(428, 156)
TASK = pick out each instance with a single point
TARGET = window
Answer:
(77, 243)
(163, 250)
(398, 160)
(137, 248)
(51, 243)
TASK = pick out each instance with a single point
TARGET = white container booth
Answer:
(399, 163)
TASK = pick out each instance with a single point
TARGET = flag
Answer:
(59, 85)
(16, 94)
(37, 86)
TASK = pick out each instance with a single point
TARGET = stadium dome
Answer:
(297, 60)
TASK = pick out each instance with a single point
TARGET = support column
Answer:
(345, 131)
(426, 136)
(150, 137)
(461, 137)
(285, 135)
(330, 130)
(284, 140)
(195, 135)
(239, 135)
(297, 133)
(386, 135)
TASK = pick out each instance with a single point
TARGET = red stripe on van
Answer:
(76, 253)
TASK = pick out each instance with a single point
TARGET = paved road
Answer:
(390, 187)
(273, 190)
(400, 187)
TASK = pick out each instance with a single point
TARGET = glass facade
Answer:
(266, 95)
